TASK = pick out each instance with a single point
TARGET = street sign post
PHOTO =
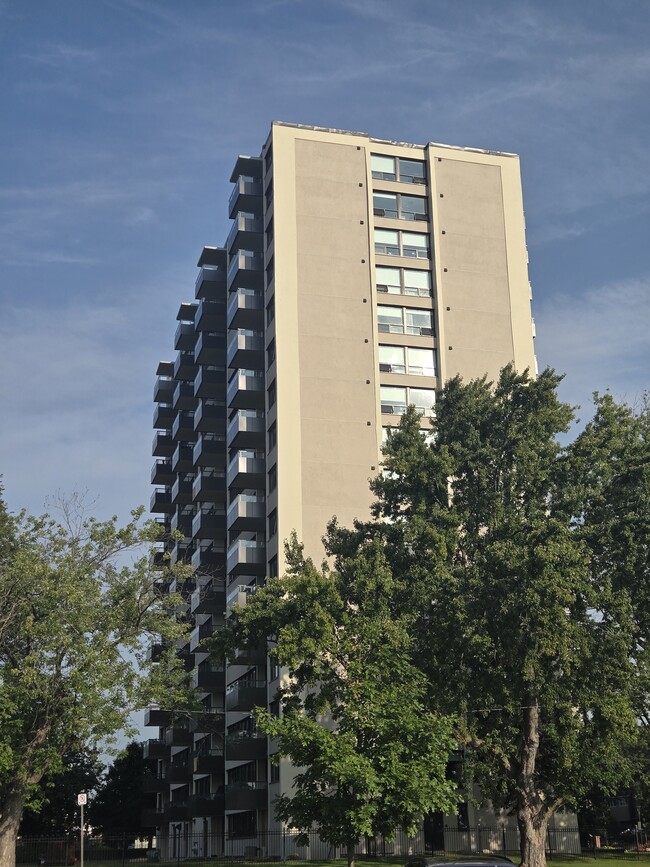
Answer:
(82, 800)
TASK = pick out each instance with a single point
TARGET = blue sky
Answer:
(121, 123)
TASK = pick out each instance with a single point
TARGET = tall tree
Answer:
(371, 757)
(79, 603)
(520, 625)
(117, 807)
(52, 810)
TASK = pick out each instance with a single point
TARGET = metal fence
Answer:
(176, 844)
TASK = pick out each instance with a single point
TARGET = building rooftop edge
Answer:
(394, 142)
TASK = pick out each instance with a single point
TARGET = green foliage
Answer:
(79, 604)
(54, 811)
(119, 801)
(524, 568)
(371, 757)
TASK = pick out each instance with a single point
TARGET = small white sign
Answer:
(82, 799)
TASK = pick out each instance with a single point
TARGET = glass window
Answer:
(418, 321)
(388, 280)
(387, 242)
(393, 399)
(422, 398)
(390, 319)
(412, 171)
(391, 359)
(385, 205)
(413, 208)
(416, 245)
(383, 167)
(417, 282)
(420, 362)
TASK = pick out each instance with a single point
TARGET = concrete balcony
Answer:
(208, 680)
(183, 397)
(246, 268)
(246, 471)
(209, 523)
(151, 817)
(246, 310)
(246, 232)
(210, 348)
(245, 695)
(199, 635)
(155, 749)
(238, 595)
(183, 426)
(185, 336)
(161, 473)
(209, 485)
(210, 558)
(248, 655)
(245, 350)
(182, 458)
(246, 429)
(246, 512)
(162, 445)
(180, 773)
(246, 196)
(210, 417)
(210, 450)
(176, 811)
(210, 282)
(161, 501)
(185, 367)
(208, 804)
(182, 491)
(163, 389)
(211, 313)
(210, 599)
(209, 721)
(246, 796)
(210, 762)
(163, 416)
(246, 390)
(245, 746)
(210, 381)
(155, 716)
(178, 735)
(246, 557)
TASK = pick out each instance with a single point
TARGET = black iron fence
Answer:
(177, 844)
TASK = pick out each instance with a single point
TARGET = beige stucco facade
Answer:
(327, 369)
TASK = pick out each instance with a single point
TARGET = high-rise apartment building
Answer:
(358, 275)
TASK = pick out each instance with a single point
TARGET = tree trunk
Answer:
(532, 840)
(350, 850)
(11, 813)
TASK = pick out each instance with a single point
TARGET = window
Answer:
(270, 310)
(273, 567)
(386, 243)
(269, 232)
(391, 359)
(269, 272)
(404, 320)
(395, 399)
(414, 245)
(274, 708)
(274, 667)
(420, 362)
(399, 206)
(398, 169)
(274, 768)
(242, 824)
(273, 523)
(273, 477)
(418, 321)
(423, 399)
(403, 281)
(383, 168)
(271, 390)
(273, 436)
(270, 353)
(407, 359)
(390, 319)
